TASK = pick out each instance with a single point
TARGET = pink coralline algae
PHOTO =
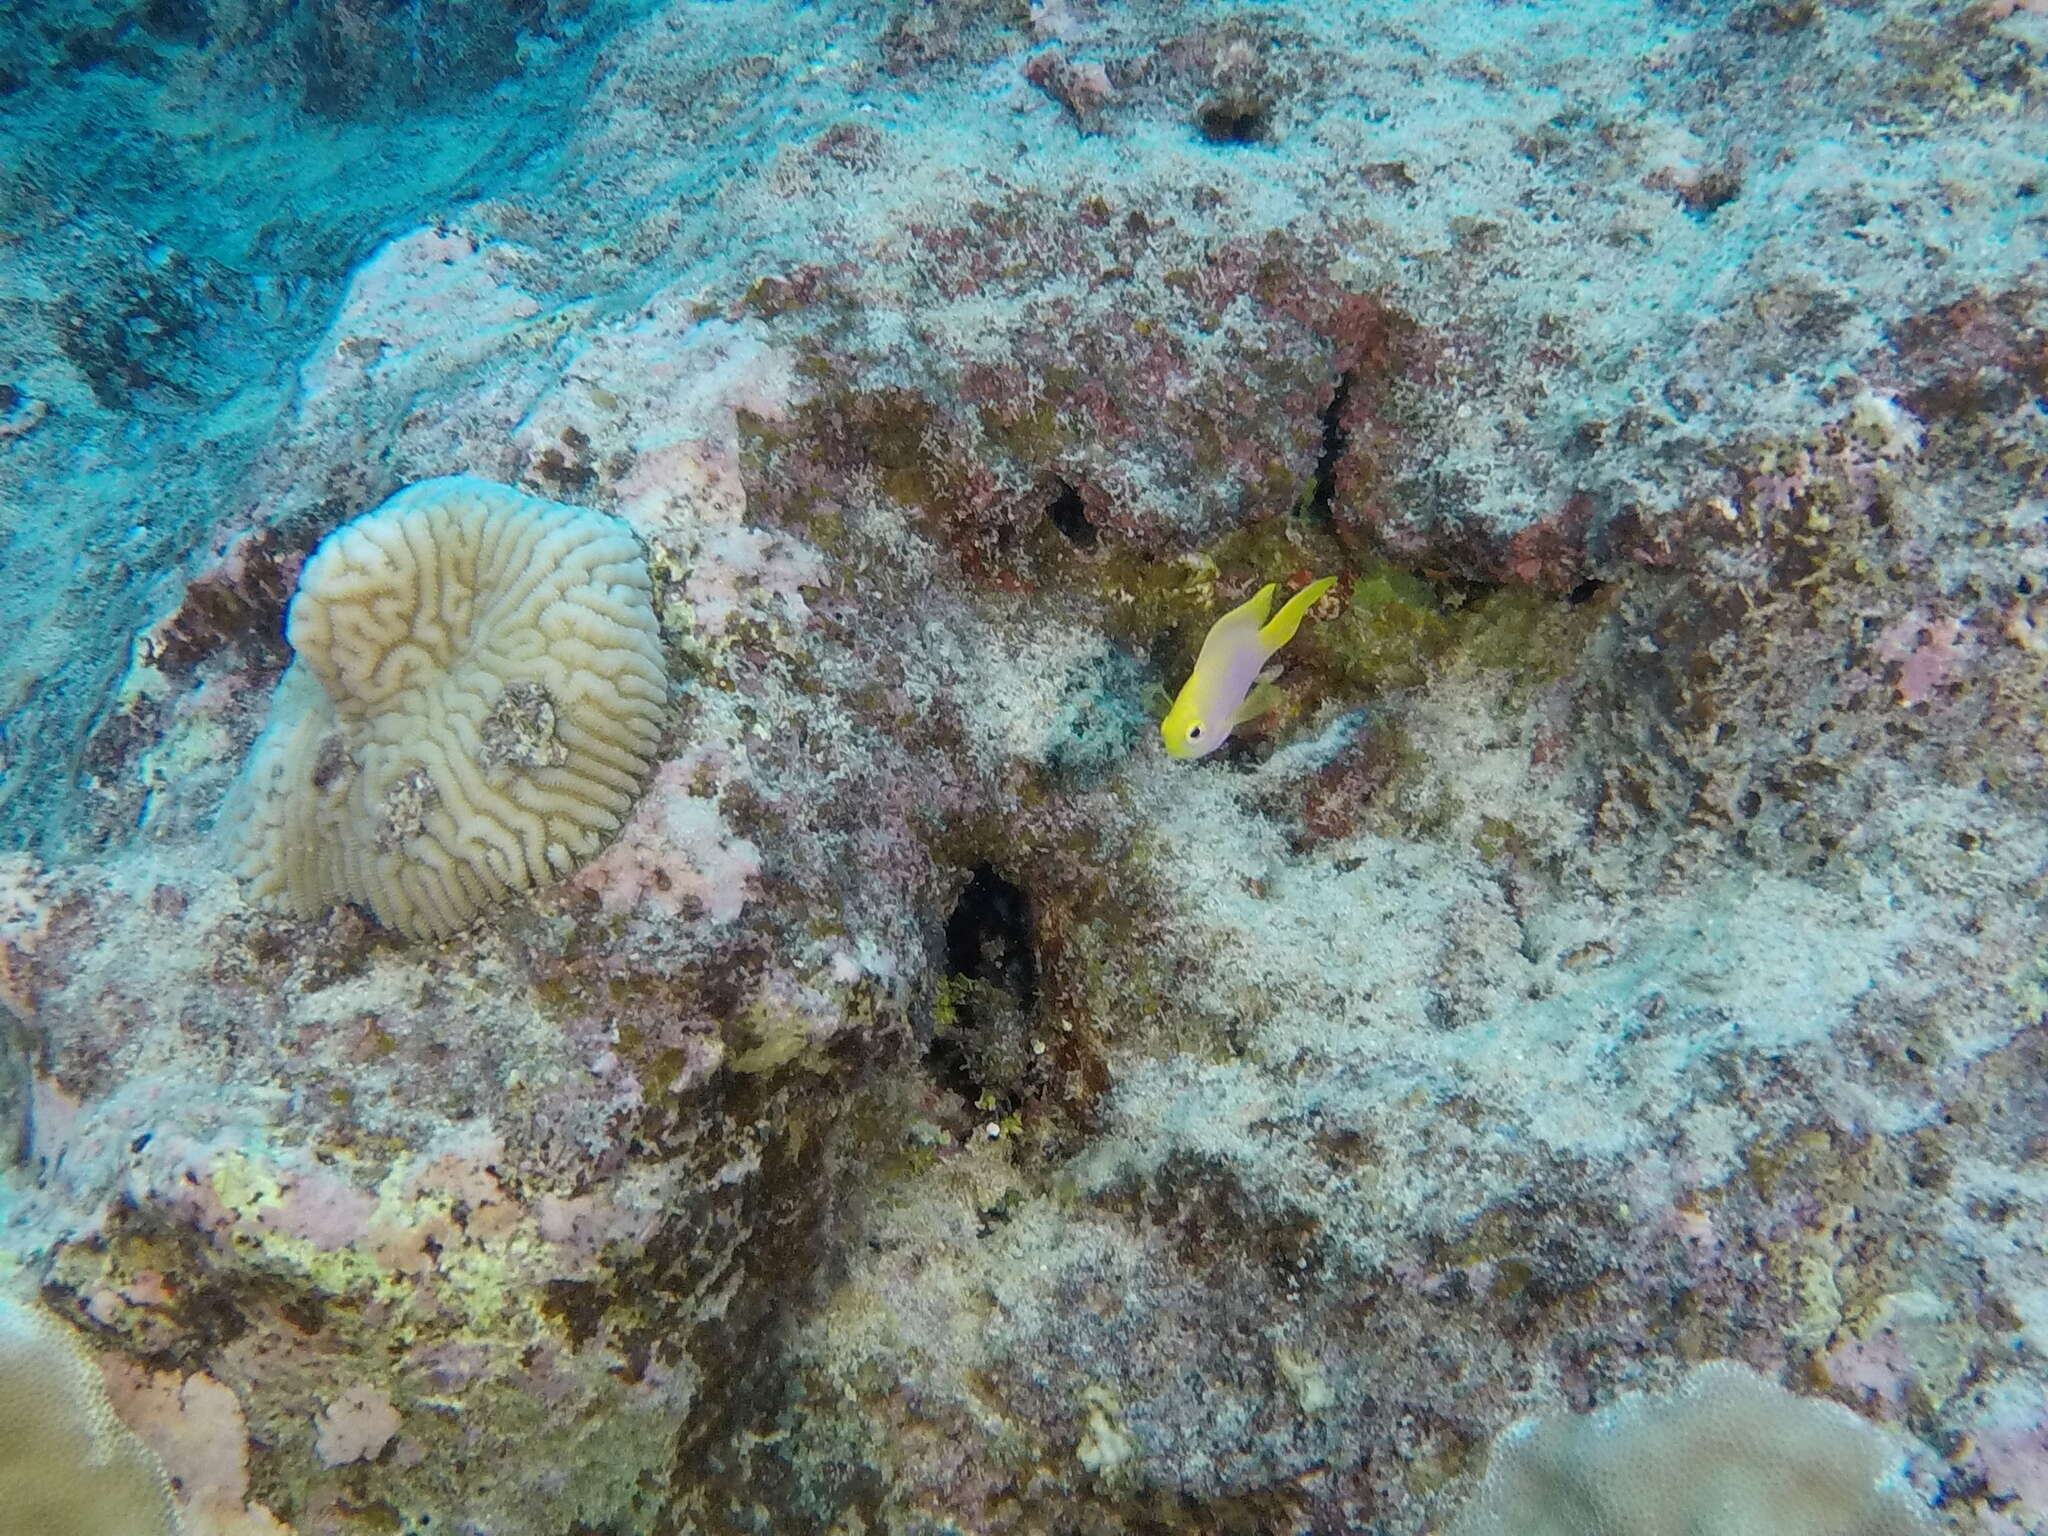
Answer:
(355, 1427)
(1931, 652)
(675, 856)
(196, 1427)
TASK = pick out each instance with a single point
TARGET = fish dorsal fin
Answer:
(1236, 629)
(1251, 613)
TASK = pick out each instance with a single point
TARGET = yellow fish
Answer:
(1228, 686)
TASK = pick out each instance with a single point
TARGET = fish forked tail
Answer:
(1280, 629)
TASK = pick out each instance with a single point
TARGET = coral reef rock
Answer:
(911, 1103)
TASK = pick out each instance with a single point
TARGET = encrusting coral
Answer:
(472, 711)
(1727, 1453)
(68, 1467)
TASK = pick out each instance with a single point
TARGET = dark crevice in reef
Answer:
(1068, 514)
(1335, 443)
(988, 936)
(1235, 117)
(982, 1045)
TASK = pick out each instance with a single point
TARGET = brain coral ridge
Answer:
(473, 706)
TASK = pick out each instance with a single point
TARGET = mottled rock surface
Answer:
(938, 1111)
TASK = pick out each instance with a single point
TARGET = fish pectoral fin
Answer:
(1264, 695)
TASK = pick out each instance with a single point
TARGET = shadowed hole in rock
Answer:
(983, 1051)
(1233, 118)
(1070, 516)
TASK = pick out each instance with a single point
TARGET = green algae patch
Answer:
(1395, 629)
(1142, 597)
(1398, 630)
(1389, 587)
(1539, 637)
(1032, 434)
(1497, 840)
(1393, 632)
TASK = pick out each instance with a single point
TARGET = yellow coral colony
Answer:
(473, 708)
(1227, 686)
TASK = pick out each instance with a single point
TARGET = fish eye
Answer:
(1194, 733)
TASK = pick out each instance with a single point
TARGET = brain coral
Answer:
(67, 1466)
(473, 705)
(1727, 1453)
